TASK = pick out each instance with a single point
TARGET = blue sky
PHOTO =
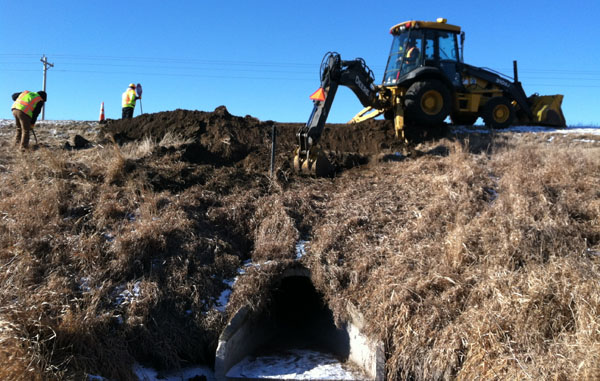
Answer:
(262, 57)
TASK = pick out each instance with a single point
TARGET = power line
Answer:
(289, 71)
(180, 60)
(147, 61)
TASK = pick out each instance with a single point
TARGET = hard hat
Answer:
(132, 85)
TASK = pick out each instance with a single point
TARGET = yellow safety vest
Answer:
(412, 53)
(26, 102)
(129, 98)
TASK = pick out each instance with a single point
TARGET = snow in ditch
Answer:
(184, 374)
(148, 374)
(294, 364)
(582, 130)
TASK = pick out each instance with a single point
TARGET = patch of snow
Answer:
(149, 374)
(533, 129)
(84, 284)
(108, 236)
(221, 303)
(8, 122)
(493, 194)
(295, 364)
(247, 263)
(184, 374)
(301, 249)
(223, 300)
(578, 130)
(492, 191)
(230, 282)
(586, 140)
(125, 296)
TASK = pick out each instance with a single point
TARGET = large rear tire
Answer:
(427, 102)
(498, 113)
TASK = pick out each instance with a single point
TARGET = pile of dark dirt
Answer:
(219, 138)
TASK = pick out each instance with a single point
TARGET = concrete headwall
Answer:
(245, 334)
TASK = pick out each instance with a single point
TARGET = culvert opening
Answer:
(299, 319)
(296, 338)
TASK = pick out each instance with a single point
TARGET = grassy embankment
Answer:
(467, 263)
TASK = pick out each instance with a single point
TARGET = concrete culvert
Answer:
(296, 336)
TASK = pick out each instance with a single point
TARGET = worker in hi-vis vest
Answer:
(129, 98)
(26, 109)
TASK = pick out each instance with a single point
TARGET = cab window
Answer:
(448, 46)
(429, 46)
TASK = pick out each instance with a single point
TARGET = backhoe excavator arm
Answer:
(334, 72)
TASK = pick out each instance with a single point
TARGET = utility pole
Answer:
(44, 60)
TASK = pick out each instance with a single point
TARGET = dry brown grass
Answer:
(99, 269)
(472, 266)
(479, 264)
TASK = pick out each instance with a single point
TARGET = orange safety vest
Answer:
(129, 98)
(26, 102)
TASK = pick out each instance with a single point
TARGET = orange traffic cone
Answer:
(101, 112)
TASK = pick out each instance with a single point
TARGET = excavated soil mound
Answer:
(219, 138)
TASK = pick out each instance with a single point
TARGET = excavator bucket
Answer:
(547, 111)
(315, 163)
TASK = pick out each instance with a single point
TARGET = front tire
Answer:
(498, 113)
(427, 102)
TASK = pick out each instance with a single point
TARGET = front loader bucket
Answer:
(547, 111)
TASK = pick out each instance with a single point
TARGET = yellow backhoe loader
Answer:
(425, 81)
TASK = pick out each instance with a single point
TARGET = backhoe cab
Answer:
(425, 82)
